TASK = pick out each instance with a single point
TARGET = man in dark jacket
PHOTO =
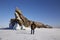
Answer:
(33, 26)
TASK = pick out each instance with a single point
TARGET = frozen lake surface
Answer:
(40, 34)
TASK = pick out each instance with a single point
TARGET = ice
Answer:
(40, 34)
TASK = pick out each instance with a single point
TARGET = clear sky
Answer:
(45, 11)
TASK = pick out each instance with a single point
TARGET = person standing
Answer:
(33, 26)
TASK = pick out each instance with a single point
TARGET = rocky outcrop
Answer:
(21, 20)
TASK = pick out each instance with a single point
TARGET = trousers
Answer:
(32, 31)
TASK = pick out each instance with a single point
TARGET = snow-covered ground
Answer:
(40, 34)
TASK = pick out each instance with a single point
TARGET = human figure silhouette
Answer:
(33, 26)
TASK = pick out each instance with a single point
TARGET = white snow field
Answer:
(40, 34)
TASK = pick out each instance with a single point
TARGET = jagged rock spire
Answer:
(22, 20)
(17, 10)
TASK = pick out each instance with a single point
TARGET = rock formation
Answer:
(21, 20)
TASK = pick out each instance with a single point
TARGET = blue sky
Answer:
(45, 11)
